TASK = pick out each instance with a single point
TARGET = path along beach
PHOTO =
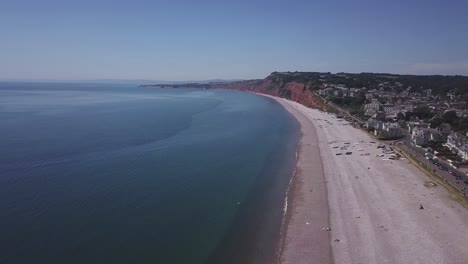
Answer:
(362, 207)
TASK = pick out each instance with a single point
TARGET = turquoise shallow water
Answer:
(120, 174)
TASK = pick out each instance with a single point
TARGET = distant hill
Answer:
(300, 86)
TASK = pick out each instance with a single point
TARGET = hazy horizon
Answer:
(145, 81)
(183, 40)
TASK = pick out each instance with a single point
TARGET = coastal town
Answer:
(390, 110)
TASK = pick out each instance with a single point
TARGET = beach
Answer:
(363, 206)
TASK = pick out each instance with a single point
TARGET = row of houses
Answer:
(372, 108)
(387, 111)
(384, 130)
(457, 143)
(339, 91)
(421, 134)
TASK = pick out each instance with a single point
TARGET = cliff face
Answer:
(292, 86)
(278, 85)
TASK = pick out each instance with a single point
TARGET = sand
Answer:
(306, 236)
(371, 204)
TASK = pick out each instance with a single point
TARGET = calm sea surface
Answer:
(121, 174)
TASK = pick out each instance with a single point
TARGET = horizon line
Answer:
(206, 80)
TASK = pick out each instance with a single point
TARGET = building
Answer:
(412, 125)
(457, 143)
(421, 136)
(372, 108)
(354, 92)
(384, 130)
(373, 123)
(389, 131)
(388, 108)
(338, 90)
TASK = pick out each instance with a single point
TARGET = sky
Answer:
(206, 39)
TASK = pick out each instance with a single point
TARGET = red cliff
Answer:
(294, 91)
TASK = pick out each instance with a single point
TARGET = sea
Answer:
(116, 173)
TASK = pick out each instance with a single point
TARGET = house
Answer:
(371, 94)
(354, 92)
(373, 123)
(416, 124)
(389, 131)
(338, 90)
(327, 91)
(421, 136)
(384, 130)
(388, 107)
(372, 108)
(457, 143)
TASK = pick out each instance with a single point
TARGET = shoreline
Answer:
(289, 193)
(306, 217)
(256, 229)
(379, 209)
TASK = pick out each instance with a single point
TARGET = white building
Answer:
(459, 144)
(372, 108)
(388, 108)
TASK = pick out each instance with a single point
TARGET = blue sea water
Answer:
(100, 173)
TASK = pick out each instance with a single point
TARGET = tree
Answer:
(423, 112)
(450, 117)
(400, 116)
(436, 121)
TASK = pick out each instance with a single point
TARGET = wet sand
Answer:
(371, 203)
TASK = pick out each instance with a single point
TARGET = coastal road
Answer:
(458, 180)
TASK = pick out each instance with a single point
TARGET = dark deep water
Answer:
(120, 174)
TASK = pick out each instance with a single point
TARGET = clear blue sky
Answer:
(205, 39)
